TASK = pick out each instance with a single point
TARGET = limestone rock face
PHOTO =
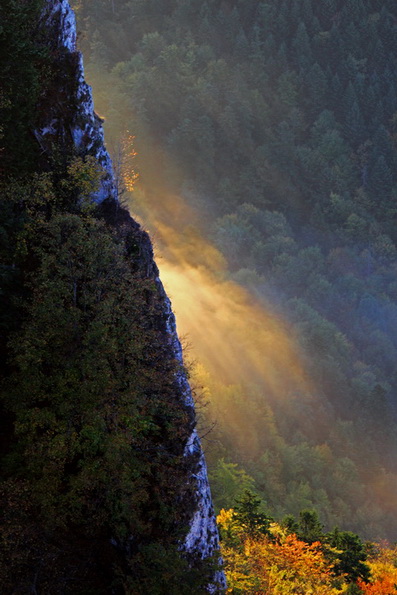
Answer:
(202, 539)
(67, 113)
(67, 118)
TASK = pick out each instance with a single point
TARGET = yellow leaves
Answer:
(383, 567)
(232, 532)
(225, 518)
(276, 565)
(130, 181)
(240, 579)
(292, 566)
(83, 177)
(130, 176)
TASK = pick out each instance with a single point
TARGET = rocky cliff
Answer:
(67, 111)
(67, 118)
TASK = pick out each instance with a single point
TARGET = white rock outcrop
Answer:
(84, 127)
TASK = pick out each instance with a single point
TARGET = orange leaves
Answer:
(383, 566)
(130, 176)
(291, 566)
(383, 586)
(278, 565)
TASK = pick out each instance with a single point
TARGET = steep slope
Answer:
(104, 485)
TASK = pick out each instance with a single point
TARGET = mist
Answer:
(267, 411)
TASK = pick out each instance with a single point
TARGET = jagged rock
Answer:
(66, 111)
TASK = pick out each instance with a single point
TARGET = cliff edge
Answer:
(103, 461)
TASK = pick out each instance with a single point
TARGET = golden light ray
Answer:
(231, 334)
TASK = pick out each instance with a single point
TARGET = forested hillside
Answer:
(276, 123)
(101, 472)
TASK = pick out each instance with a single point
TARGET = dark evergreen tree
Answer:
(380, 181)
(354, 127)
(327, 13)
(250, 516)
(351, 560)
(316, 82)
(302, 54)
(309, 527)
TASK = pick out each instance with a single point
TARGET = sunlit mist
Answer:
(236, 339)
(271, 417)
(243, 358)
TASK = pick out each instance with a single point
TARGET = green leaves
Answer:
(351, 554)
(100, 427)
(249, 514)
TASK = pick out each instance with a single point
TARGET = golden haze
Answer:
(230, 334)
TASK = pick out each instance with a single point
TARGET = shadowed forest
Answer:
(96, 474)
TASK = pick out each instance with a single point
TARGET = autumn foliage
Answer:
(269, 559)
(383, 566)
(290, 565)
(279, 563)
